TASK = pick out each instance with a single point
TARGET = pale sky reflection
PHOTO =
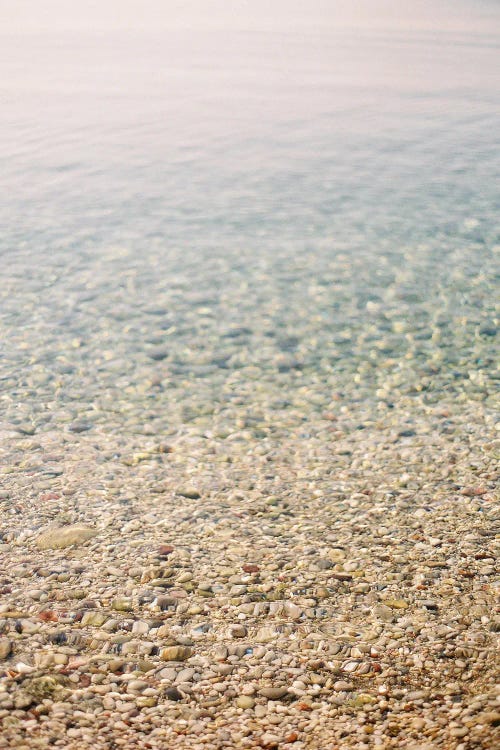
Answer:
(266, 15)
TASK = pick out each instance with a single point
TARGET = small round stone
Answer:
(245, 701)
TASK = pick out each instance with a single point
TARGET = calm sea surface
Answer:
(209, 137)
(264, 196)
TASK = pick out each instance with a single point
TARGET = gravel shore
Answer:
(259, 517)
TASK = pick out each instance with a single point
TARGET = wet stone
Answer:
(173, 694)
(189, 492)
(5, 648)
(65, 536)
(176, 653)
(273, 693)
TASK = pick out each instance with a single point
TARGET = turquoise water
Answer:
(304, 199)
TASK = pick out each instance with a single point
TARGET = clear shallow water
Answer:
(331, 183)
(210, 136)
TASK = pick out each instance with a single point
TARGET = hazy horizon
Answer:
(57, 15)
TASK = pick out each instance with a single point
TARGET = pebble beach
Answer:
(257, 530)
(249, 384)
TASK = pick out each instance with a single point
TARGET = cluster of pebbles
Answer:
(255, 513)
